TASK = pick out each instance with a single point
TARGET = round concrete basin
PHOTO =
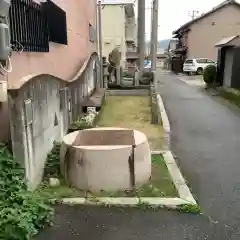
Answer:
(100, 158)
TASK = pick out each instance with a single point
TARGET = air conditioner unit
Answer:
(3, 91)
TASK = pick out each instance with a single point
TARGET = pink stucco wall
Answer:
(61, 61)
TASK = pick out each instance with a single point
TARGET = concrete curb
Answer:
(176, 175)
(177, 178)
(127, 202)
(185, 196)
(165, 122)
(127, 92)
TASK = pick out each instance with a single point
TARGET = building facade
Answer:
(57, 45)
(119, 28)
(199, 36)
(131, 38)
(55, 71)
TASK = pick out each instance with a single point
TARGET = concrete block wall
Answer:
(80, 89)
(41, 111)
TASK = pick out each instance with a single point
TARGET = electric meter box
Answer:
(5, 45)
(4, 7)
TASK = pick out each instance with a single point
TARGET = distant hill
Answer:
(164, 43)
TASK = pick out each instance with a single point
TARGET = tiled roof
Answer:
(225, 41)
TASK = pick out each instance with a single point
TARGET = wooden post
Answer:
(131, 163)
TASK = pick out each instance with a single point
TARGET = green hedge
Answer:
(209, 74)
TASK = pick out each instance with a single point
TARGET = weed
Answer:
(52, 166)
(81, 124)
(143, 205)
(52, 170)
(22, 213)
(189, 208)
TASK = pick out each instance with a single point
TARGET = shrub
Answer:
(147, 78)
(209, 74)
(22, 213)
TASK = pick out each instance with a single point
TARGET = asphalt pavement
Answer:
(90, 223)
(206, 142)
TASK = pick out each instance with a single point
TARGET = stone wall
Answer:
(41, 111)
(4, 122)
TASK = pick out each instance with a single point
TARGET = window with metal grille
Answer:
(28, 25)
(92, 33)
(57, 22)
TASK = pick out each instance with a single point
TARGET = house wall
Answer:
(160, 62)
(204, 34)
(173, 44)
(113, 29)
(131, 28)
(62, 61)
(55, 104)
(79, 14)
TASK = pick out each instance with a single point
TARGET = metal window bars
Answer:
(29, 27)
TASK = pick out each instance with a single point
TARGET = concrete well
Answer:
(98, 158)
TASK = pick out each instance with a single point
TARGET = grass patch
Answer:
(187, 208)
(160, 184)
(47, 192)
(232, 95)
(132, 112)
(52, 170)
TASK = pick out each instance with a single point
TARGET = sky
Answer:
(174, 13)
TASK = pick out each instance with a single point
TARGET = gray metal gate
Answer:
(228, 68)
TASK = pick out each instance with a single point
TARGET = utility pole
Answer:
(141, 34)
(154, 39)
(151, 42)
(100, 41)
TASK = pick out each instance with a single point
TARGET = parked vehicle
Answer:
(196, 65)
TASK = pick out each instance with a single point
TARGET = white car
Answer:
(196, 65)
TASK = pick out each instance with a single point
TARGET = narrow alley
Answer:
(205, 140)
